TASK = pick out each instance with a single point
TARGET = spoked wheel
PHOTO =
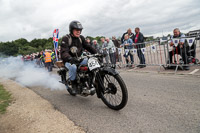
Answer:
(115, 95)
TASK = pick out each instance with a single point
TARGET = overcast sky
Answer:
(38, 18)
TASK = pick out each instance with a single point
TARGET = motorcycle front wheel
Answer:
(114, 94)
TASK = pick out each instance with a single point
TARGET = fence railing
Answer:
(160, 53)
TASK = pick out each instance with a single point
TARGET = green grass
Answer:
(5, 99)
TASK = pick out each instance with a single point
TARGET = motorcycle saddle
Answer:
(59, 64)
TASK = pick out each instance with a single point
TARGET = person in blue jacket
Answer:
(128, 45)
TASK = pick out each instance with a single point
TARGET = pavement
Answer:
(157, 103)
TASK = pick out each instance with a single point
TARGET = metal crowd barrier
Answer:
(157, 53)
(185, 56)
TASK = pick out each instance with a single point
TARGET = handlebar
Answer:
(89, 56)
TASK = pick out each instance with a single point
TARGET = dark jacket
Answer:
(140, 40)
(116, 43)
(65, 52)
(97, 47)
(131, 36)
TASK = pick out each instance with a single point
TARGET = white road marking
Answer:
(195, 70)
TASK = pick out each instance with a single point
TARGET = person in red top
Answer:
(138, 39)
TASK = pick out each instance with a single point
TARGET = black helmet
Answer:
(75, 25)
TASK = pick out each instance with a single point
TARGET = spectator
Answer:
(53, 57)
(129, 32)
(138, 39)
(112, 50)
(117, 45)
(88, 41)
(182, 49)
(116, 42)
(42, 53)
(128, 45)
(96, 46)
(105, 49)
(48, 60)
(38, 59)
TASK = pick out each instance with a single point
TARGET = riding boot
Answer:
(63, 76)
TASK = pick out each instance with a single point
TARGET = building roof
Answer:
(194, 31)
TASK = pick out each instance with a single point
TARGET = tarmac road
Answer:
(158, 103)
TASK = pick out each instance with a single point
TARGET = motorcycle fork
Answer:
(100, 86)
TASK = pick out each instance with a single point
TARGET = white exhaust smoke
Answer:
(27, 74)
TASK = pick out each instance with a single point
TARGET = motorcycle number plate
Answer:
(93, 64)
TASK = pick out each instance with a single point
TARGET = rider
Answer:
(69, 43)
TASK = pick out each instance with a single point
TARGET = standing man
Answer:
(117, 45)
(116, 42)
(88, 41)
(53, 57)
(112, 50)
(71, 48)
(129, 32)
(138, 39)
(48, 60)
(96, 46)
(182, 49)
(105, 49)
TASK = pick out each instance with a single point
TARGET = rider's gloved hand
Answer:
(74, 60)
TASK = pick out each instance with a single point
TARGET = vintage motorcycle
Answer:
(97, 78)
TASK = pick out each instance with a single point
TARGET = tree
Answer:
(9, 48)
(22, 42)
(49, 45)
(27, 50)
(38, 42)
